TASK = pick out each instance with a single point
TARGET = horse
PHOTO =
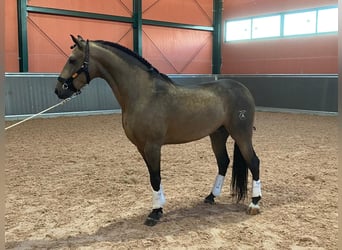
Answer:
(156, 112)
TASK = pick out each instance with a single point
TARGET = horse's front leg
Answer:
(151, 154)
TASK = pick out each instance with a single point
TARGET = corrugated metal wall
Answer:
(32, 93)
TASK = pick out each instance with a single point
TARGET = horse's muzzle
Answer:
(63, 93)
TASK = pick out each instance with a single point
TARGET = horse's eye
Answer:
(72, 60)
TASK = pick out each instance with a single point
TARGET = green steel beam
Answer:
(217, 37)
(137, 26)
(78, 14)
(137, 15)
(176, 25)
(22, 35)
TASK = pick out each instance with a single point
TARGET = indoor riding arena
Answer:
(143, 84)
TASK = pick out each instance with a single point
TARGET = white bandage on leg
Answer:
(158, 198)
(218, 185)
(256, 188)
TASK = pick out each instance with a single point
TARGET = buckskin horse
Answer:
(156, 111)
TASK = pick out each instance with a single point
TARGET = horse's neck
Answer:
(127, 82)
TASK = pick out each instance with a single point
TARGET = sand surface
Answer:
(78, 183)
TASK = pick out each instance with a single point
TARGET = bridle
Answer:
(68, 83)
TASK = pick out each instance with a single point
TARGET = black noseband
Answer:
(69, 83)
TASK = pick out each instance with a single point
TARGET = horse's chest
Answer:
(140, 128)
(133, 128)
(128, 128)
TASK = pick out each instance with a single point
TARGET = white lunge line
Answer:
(29, 118)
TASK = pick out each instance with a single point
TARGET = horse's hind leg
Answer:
(218, 144)
(244, 151)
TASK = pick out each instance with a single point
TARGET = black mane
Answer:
(149, 66)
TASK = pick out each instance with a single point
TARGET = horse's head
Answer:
(75, 73)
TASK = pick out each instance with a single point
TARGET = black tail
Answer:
(239, 175)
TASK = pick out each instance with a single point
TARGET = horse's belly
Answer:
(189, 130)
(177, 139)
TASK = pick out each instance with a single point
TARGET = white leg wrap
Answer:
(218, 185)
(256, 192)
(158, 198)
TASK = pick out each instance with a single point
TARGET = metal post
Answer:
(22, 35)
(217, 36)
(137, 26)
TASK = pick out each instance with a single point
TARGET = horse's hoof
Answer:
(210, 199)
(255, 200)
(154, 217)
(253, 209)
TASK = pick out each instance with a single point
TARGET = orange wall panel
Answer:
(199, 12)
(304, 55)
(110, 7)
(172, 50)
(298, 55)
(49, 41)
(11, 37)
(49, 38)
(175, 51)
(245, 8)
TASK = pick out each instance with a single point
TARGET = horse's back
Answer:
(226, 85)
(227, 93)
(232, 92)
(222, 86)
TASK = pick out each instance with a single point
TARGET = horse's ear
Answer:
(74, 39)
(80, 38)
(78, 41)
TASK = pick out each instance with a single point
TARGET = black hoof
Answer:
(154, 217)
(210, 199)
(256, 200)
